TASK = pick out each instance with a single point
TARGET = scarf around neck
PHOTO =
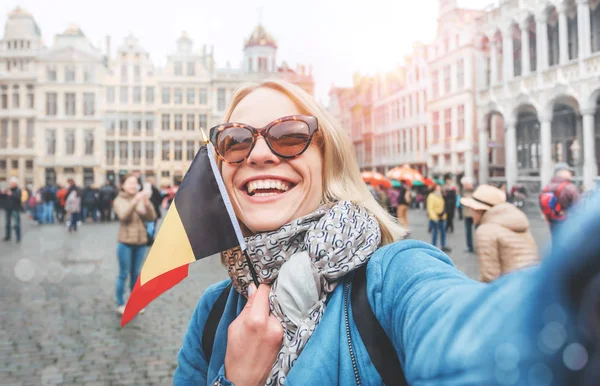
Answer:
(311, 255)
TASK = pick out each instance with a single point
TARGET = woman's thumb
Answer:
(251, 290)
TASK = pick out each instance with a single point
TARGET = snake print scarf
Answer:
(338, 238)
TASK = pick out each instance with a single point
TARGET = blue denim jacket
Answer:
(447, 329)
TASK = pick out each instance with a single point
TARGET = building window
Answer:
(221, 99)
(4, 101)
(51, 73)
(51, 103)
(123, 127)
(4, 134)
(88, 75)
(190, 122)
(448, 123)
(191, 96)
(460, 74)
(166, 122)
(461, 121)
(15, 164)
(190, 150)
(262, 64)
(30, 134)
(178, 68)
(178, 122)
(446, 44)
(434, 84)
(202, 96)
(30, 97)
(124, 73)
(29, 164)
(165, 173)
(124, 95)
(70, 141)
(249, 64)
(89, 103)
(89, 141)
(149, 126)
(553, 39)
(2, 164)
(191, 68)
(595, 28)
(166, 95)
(111, 125)
(15, 97)
(572, 33)
(110, 94)
(166, 150)
(110, 152)
(177, 96)
(447, 79)
(136, 149)
(149, 153)
(149, 95)
(70, 103)
(137, 126)
(137, 73)
(178, 151)
(69, 74)
(123, 152)
(15, 133)
(137, 95)
(203, 121)
(436, 126)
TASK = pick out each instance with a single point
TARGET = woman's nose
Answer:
(262, 154)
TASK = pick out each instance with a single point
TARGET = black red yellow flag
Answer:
(200, 222)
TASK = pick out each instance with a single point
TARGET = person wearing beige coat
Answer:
(503, 241)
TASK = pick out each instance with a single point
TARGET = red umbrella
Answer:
(405, 173)
(375, 178)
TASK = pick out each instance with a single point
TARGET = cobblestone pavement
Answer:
(57, 319)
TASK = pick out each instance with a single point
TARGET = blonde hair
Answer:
(341, 175)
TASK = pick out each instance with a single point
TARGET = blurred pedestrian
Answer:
(558, 196)
(73, 205)
(502, 239)
(12, 210)
(467, 183)
(393, 195)
(436, 209)
(134, 209)
(450, 202)
(49, 198)
(404, 200)
(90, 203)
(106, 196)
(61, 198)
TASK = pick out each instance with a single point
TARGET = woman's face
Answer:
(131, 185)
(477, 215)
(283, 189)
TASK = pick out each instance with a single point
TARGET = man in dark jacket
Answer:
(90, 202)
(107, 195)
(12, 208)
(566, 192)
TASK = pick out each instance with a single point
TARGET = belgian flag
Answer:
(199, 223)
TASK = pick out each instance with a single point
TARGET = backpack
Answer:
(378, 344)
(550, 204)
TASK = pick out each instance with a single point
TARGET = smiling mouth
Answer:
(268, 187)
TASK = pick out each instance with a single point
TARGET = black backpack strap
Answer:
(210, 327)
(380, 348)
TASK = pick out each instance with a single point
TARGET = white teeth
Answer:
(267, 184)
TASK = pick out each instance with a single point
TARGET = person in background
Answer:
(61, 200)
(48, 197)
(134, 209)
(394, 196)
(459, 207)
(404, 200)
(559, 196)
(12, 210)
(156, 197)
(467, 183)
(450, 202)
(436, 210)
(502, 239)
(90, 203)
(73, 205)
(106, 195)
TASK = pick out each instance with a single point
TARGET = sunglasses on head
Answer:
(287, 137)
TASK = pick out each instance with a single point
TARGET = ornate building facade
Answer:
(73, 111)
(538, 81)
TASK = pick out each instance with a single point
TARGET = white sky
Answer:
(338, 37)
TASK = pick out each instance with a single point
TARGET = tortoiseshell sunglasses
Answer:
(287, 137)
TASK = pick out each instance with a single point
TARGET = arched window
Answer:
(565, 145)
(532, 44)
(528, 144)
(572, 29)
(553, 43)
(595, 24)
(516, 37)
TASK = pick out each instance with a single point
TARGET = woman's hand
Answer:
(254, 339)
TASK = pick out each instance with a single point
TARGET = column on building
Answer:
(542, 41)
(563, 33)
(510, 143)
(546, 147)
(589, 149)
(482, 122)
(584, 28)
(507, 57)
(493, 62)
(469, 133)
(525, 59)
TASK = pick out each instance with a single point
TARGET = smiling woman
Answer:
(318, 243)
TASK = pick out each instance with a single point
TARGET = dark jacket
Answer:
(156, 199)
(568, 196)
(107, 193)
(13, 202)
